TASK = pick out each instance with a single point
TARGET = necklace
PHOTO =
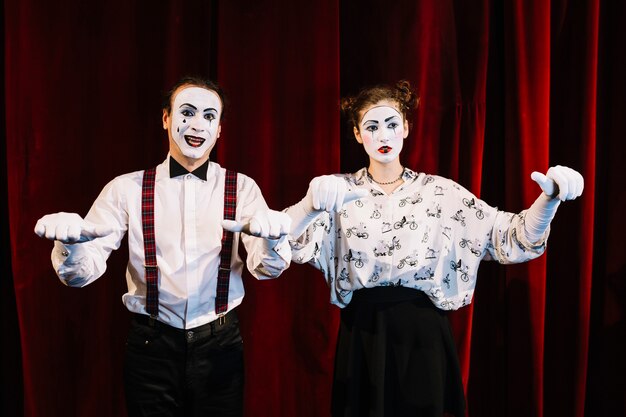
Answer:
(388, 182)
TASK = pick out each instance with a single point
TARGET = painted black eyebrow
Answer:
(195, 108)
(376, 121)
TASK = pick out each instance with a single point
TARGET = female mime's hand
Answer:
(558, 184)
(326, 193)
(561, 182)
(330, 193)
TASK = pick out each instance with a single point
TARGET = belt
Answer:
(208, 328)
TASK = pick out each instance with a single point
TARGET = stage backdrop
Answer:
(505, 89)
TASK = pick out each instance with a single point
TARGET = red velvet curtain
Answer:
(506, 88)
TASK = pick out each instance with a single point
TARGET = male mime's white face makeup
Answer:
(382, 131)
(194, 122)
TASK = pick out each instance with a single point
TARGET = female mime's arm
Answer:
(325, 193)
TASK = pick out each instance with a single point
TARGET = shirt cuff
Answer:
(281, 247)
(61, 252)
(67, 261)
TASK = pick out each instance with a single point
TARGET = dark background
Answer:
(506, 87)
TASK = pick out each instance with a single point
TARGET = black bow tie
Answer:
(176, 169)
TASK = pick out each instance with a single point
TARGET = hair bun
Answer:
(347, 103)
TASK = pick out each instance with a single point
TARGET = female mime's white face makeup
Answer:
(194, 122)
(382, 131)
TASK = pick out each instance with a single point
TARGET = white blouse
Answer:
(429, 234)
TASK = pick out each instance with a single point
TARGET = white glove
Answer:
(268, 224)
(326, 193)
(330, 193)
(69, 228)
(561, 182)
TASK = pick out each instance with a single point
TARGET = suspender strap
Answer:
(149, 246)
(223, 276)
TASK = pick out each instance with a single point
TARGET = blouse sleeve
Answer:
(509, 243)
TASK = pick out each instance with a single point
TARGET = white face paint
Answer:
(382, 131)
(194, 122)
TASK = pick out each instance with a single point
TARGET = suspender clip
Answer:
(221, 319)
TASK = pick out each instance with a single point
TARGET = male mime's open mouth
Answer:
(194, 141)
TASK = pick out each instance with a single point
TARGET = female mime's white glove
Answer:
(558, 184)
(326, 193)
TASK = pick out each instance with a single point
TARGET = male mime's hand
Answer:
(69, 228)
(561, 182)
(268, 224)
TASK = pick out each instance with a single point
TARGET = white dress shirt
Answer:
(187, 224)
(429, 234)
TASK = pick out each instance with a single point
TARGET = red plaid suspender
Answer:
(223, 276)
(152, 271)
(149, 246)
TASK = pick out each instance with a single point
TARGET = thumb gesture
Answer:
(560, 181)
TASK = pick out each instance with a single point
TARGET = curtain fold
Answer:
(605, 382)
(279, 63)
(527, 144)
(506, 88)
(573, 141)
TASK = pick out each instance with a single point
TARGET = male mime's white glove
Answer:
(69, 228)
(558, 184)
(268, 224)
(325, 193)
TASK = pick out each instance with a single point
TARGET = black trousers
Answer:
(181, 373)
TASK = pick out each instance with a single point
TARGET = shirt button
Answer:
(188, 176)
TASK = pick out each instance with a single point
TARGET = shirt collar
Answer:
(177, 169)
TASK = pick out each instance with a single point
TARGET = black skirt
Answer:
(395, 357)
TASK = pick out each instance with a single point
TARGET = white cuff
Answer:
(68, 263)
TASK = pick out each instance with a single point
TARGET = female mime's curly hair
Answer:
(402, 94)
